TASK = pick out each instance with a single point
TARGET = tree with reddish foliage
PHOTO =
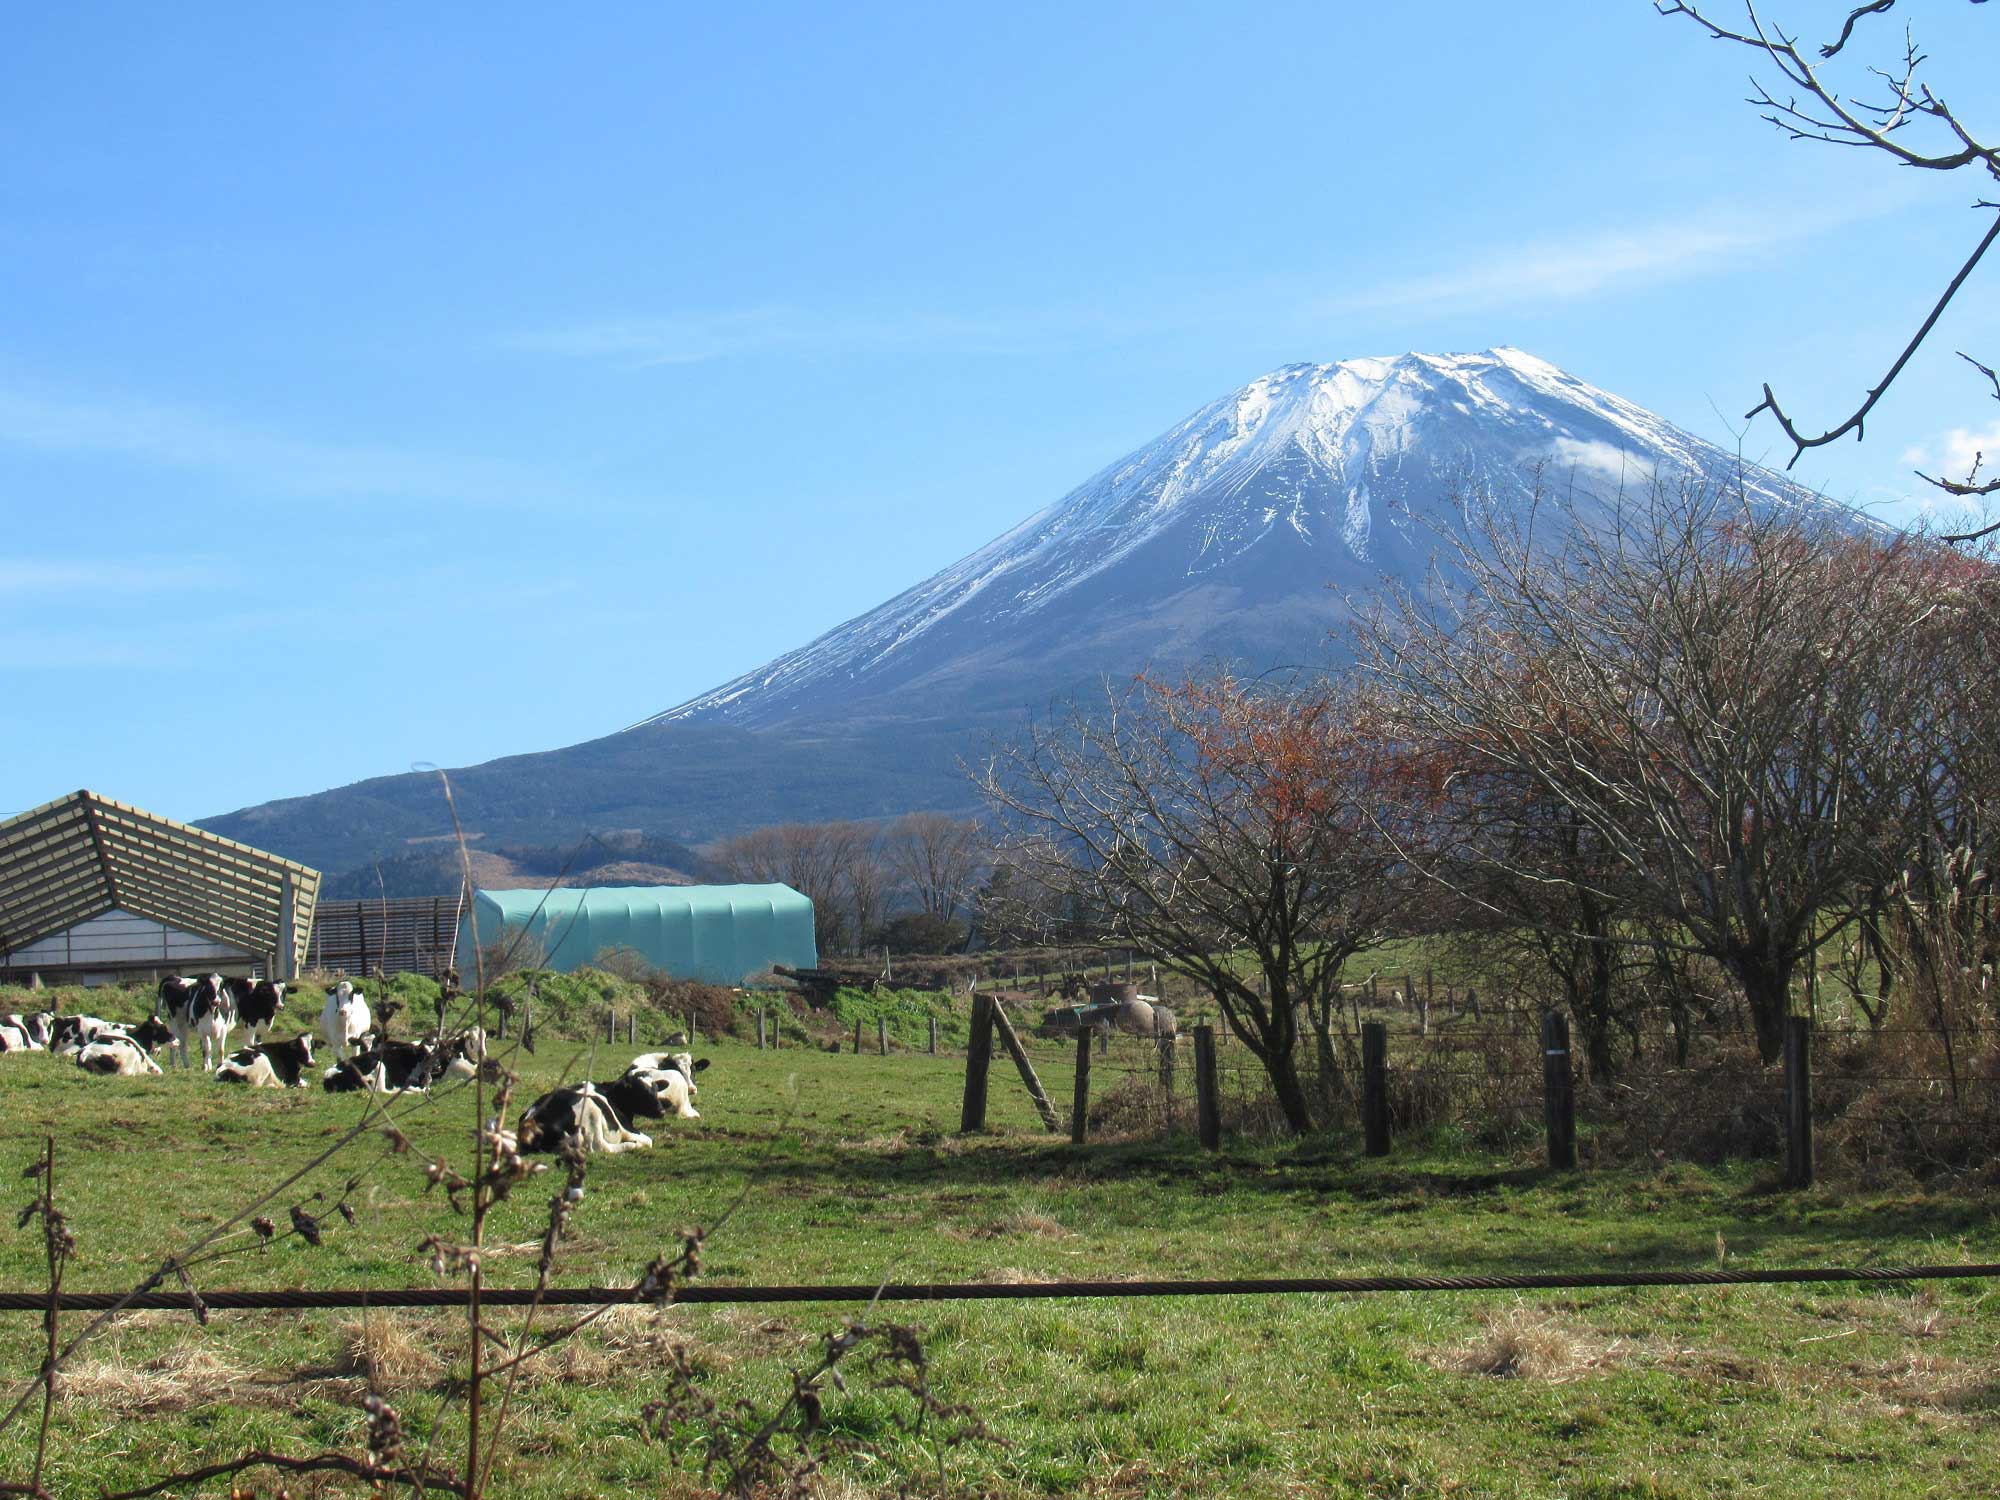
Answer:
(1211, 821)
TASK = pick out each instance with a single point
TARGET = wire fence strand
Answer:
(954, 1291)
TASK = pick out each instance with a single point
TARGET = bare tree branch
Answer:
(1817, 112)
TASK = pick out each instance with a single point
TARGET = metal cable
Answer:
(983, 1290)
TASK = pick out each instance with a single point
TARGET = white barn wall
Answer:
(119, 940)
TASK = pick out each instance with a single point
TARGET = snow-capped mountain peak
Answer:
(1231, 524)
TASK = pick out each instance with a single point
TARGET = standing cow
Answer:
(258, 1002)
(345, 1021)
(203, 1006)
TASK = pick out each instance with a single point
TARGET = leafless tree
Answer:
(835, 865)
(864, 878)
(1529, 861)
(1713, 697)
(1207, 822)
(1904, 119)
(939, 859)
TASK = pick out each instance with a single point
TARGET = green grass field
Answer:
(848, 1170)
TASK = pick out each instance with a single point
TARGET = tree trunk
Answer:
(1596, 1014)
(1290, 1093)
(1767, 987)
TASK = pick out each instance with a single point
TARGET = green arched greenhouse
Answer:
(720, 933)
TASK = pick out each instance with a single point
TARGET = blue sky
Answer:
(425, 384)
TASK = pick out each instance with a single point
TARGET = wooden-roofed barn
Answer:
(94, 891)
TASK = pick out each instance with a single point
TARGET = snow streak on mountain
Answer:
(1220, 537)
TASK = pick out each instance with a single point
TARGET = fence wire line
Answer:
(405, 1297)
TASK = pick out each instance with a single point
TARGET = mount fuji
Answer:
(1234, 538)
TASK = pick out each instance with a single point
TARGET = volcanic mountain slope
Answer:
(1233, 537)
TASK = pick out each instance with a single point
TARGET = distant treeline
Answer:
(433, 870)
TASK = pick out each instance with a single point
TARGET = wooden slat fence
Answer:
(414, 933)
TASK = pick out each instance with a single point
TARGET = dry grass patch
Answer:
(1527, 1343)
(1025, 1222)
(1920, 1317)
(391, 1354)
(188, 1375)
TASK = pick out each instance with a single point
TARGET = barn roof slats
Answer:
(83, 855)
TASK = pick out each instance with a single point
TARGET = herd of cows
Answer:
(587, 1116)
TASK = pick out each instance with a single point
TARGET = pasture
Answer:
(846, 1168)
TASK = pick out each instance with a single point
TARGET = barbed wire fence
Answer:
(1499, 1075)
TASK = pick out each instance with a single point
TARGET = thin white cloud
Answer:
(1952, 454)
(1577, 267)
(1572, 267)
(256, 459)
(1600, 458)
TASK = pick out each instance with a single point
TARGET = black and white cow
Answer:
(681, 1064)
(203, 1006)
(345, 1022)
(116, 1056)
(459, 1058)
(15, 1038)
(258, 1002)
(385, 1068)
(37, 1028)
(273, 1065)
(71, 1034)
(599, 1115)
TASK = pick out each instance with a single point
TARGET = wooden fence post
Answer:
(857, 1036)
(978, 1062)
(882, 1036)
(1798, 1102)
(1375, 1088)
(934, 1031)
(1079, 1109)
(1207, 1107)
(632, 1028)
(1026, 1068)
(611, 1024)
(1166, 1045)
(760, 1028)
(1558, 1091)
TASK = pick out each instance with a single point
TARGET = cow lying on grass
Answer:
(71, 1034)
(272, 1065)
(146, 1039)
(116, 1056)
(599, 1116)
(385, 1068)
(29, 1033)
(390, 1067)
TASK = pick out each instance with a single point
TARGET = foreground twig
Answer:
(318, 1463)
